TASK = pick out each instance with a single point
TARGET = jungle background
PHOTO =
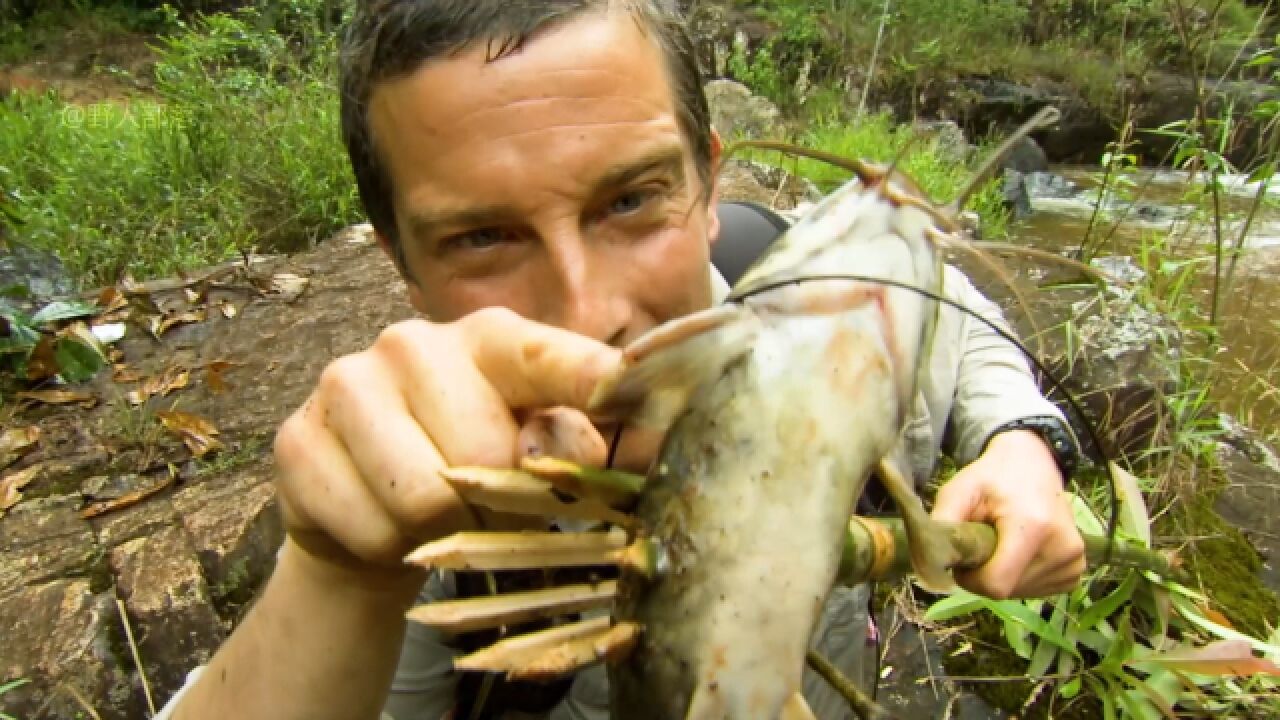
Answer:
(182, 251)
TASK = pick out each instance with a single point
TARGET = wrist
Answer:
(374, 585)
(1045, 432)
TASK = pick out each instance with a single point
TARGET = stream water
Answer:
(1164, 221)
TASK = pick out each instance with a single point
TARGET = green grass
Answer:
(240, 148)
(1086, 44)
(878, 139)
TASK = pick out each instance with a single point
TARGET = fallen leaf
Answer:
(42, 363)
(196, 432)
(15, 439)
(1221, 658)
(14, 442)
(58, 397)
(213, 374)
(173, 378)
(228, 309)
(124, 501)
(125, 374)
(111, 299)
(11, 485)
(190, 316)
(288, 286)
(192, 296)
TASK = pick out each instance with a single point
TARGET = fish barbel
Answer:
(777, 405)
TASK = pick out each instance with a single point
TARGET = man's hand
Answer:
(1016, 486)
(359, 462)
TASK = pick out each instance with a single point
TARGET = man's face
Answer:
(554, 181)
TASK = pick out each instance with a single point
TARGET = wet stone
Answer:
(134, 522)
(169, 606)
(44, 539)
(60, 634)
(235, 529)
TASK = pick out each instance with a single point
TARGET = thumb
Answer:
(564, 433)
(959, 500)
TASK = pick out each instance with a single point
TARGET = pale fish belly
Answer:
(749, 499)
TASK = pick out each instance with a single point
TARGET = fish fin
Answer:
(795, 708)
(664, 367)
(931, 553)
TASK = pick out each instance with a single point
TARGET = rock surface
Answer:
(186, 560)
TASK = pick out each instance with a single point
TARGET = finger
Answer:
(958, 501)
(454, 404)
(535, 365)
(320, 490)
(564, 433)
(389, 448)
(1018, 543)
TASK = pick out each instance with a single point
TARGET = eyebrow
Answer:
(665, 158)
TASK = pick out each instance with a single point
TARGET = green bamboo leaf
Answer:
(1070, 688)
(1046, 652)
(1121, 648)
(1161, 705)
(1105, 692)
(64, 310)
(956, 605)
(1138, 706)
(1015, 613)
(1107, 606)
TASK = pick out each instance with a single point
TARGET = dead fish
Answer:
(779, 404)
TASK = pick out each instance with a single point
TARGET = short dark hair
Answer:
(388, 39)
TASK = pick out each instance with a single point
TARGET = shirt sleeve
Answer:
(994, 384)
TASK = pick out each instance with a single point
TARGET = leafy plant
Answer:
(1143, 646)
(39, 346)
(9, 687)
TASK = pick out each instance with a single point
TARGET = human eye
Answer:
(630, 201)
(477, 240)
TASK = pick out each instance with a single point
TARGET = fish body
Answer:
(748, 499)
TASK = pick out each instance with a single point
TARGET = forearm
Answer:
(994, 383)
(321, 642)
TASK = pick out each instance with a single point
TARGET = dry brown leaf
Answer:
(111, 300)
(19, 438)
(213, 374)
(59, 397)
(15, 442)
(124, 501)
(1221, 658)
(11, 485)
(190, 316)
(124, 374)
(197, 433)
(288, 286)
(173, 378)
(42, 364)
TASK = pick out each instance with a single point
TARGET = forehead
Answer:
(597, 72)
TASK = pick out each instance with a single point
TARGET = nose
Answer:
(582, 292)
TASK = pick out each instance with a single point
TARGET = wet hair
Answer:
(390, 39)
